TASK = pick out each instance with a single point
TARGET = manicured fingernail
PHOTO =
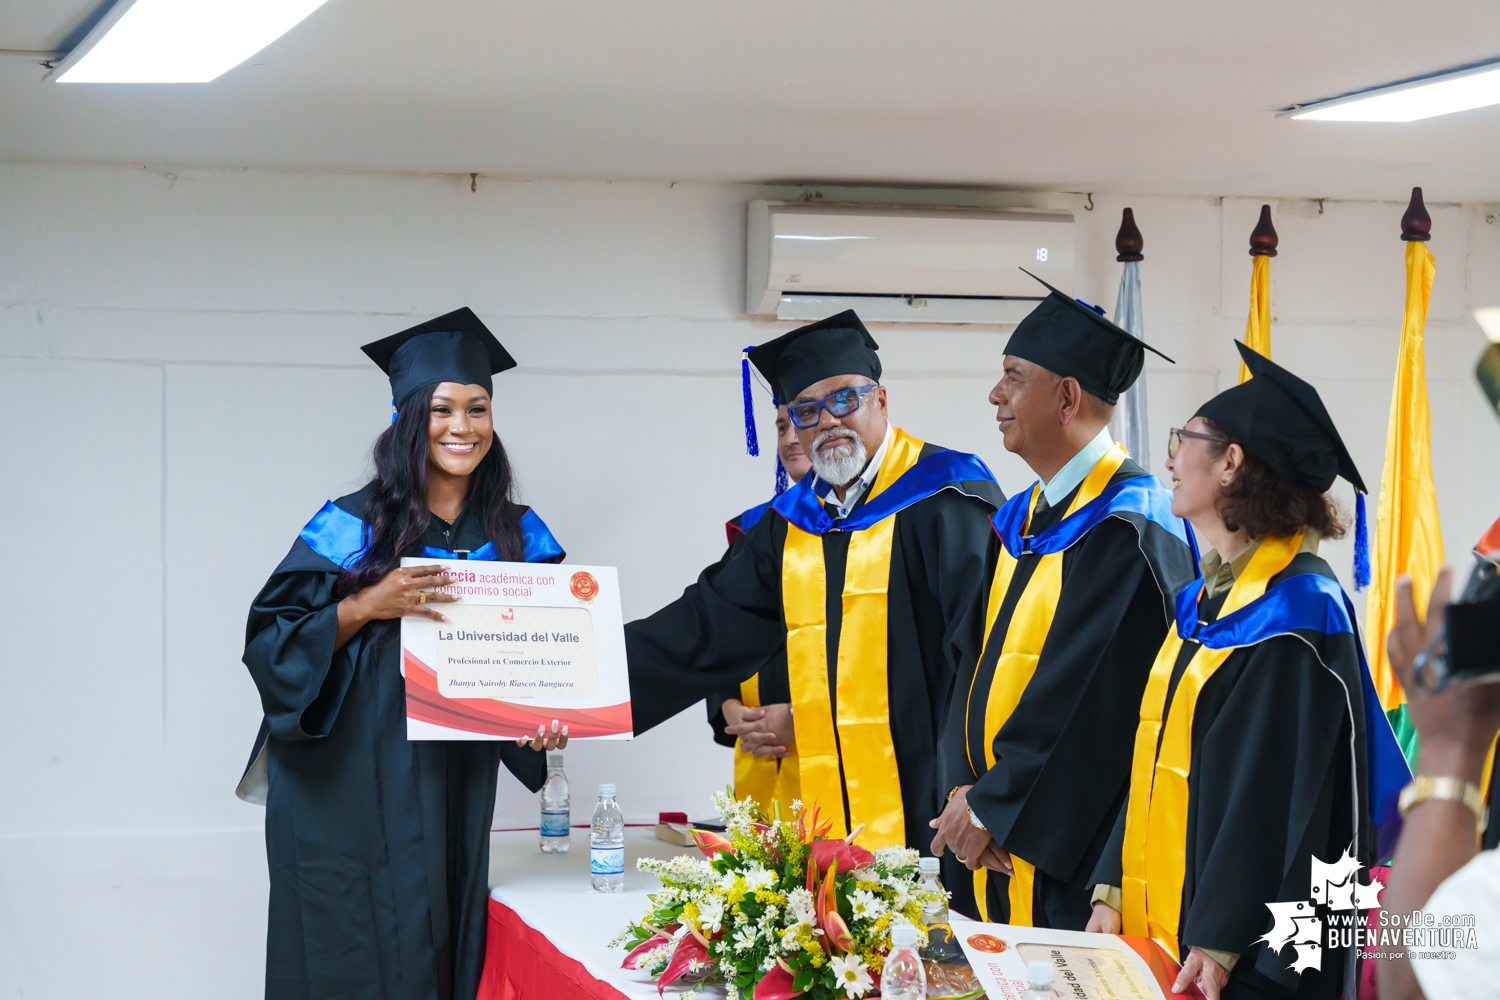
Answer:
(565, 730)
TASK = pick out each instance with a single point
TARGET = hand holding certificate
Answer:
(526, 643)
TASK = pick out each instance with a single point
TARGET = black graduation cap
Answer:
(838, 345)
(1069, 337)
(455, 347)
(1280, 419)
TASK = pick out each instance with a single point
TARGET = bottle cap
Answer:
(928, 866)
(554, 758)
(1039, 975)
(607, 789)
(905, 936)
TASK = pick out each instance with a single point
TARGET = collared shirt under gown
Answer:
(727, 625)
(378, 847)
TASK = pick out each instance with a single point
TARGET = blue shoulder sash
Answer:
(752, 517)
(933, 474)
(1313, 603)
(1143, 495)
(339, 536)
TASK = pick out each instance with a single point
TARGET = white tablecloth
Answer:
(551, 892)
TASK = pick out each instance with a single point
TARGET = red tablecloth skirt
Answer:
(521, 964)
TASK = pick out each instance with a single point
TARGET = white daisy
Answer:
(744, 939)
(850, 972)
(711, 915)
(759, 878)
(866, 906)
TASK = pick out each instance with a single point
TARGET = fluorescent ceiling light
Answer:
(1473, 86)
(1488, 319)
(783, 236)
(179, 41)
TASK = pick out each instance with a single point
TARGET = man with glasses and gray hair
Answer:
(871, 571)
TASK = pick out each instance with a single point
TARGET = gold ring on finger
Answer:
(421, 597)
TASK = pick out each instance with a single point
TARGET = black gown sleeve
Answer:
(1078, 714)
(954, 543)
(719, 632)
(1269, 769)
(715, 702)
(289, 649)
(1111, 869)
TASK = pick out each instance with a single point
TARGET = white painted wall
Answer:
(180, 388)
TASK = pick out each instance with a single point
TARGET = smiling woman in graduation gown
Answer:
(378, 847)
(1260, 743)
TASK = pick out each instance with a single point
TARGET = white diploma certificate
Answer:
(1085, 966)
(525, 644)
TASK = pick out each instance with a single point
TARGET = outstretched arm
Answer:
(720, 631)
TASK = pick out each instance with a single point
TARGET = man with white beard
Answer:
(871, 571)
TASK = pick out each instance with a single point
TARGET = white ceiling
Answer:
(1069, 95)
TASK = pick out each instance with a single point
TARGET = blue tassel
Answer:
(752, 443)
(394, 412)
(783, 481)
(1361, 544)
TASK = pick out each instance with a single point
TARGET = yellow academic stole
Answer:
(1156, 813)
(1022, 648)
(856, 733)
(759, 777)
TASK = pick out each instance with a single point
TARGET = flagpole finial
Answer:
(1129, 241)
(1263, 238)
(1416, 224)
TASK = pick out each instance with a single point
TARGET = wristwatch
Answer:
(1424, 787)
(974, 821)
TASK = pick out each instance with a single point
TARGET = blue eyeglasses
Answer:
(840, 404)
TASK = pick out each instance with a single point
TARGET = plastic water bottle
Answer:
(1039, 976)
(555, 811)
(903, 977)
(607, 843)
(941, 945)
(929, 878)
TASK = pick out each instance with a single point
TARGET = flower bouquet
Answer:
(776, 909)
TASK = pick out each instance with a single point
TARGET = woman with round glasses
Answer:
(1251, 752)
(378, 846)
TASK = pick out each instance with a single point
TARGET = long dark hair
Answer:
(396, 511)
(1264, 502)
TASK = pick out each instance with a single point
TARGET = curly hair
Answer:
(1264, 502)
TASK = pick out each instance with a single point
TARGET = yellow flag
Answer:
(1258, 326)
(1408, 538)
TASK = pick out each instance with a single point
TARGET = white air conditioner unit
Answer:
(898, 265)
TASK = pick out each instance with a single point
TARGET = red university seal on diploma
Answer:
(987, 943)
(584, 586)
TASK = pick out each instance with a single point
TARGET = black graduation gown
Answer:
(725, 627)
(775, 685)
(1062, 759)
(1269, 786)
(378, 847)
